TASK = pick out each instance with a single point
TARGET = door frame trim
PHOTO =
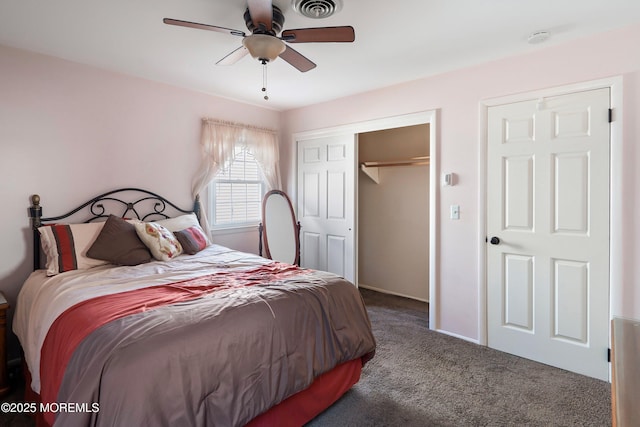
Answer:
(615, 84)
(431, 118)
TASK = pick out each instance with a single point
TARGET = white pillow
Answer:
(66, 246)
(161, 242)
(182, 222)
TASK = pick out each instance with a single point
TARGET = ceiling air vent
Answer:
(317, 9)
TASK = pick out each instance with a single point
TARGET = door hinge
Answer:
(609, 355)
(610, 115)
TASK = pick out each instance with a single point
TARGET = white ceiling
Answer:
(396, 41)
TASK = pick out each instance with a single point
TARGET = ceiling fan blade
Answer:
(203, 27)
(322, 34)
(234, 56)
(261, 12)
(296, 59)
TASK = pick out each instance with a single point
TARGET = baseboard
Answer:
(462, 337)
(442, 331)
(386, 291)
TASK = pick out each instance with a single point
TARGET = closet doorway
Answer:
(428, 119)
(393, 211)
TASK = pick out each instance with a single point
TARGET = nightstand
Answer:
(4, 379)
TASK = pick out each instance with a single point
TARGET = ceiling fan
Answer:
(264, 20)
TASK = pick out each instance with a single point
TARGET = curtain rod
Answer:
(237, 125)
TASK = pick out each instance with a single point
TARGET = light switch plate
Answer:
(455, 211)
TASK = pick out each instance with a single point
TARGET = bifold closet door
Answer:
(326, 204)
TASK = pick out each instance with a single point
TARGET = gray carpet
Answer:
(423, 378)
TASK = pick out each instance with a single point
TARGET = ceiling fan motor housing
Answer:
(276, 24)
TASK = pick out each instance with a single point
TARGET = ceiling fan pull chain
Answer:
(264, 80)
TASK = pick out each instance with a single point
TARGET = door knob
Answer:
(494, 240)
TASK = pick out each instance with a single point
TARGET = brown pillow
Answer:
(191, 239)
(119, 244)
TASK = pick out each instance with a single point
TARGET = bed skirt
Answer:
(294, 411)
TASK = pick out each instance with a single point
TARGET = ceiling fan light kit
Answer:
(264, 47)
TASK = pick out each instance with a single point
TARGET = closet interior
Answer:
(393, 211)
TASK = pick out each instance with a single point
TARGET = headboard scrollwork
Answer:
(132, 203)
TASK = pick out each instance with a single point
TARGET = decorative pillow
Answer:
(118, 243)
(161, 242)
(182, 222)
(66, 245)
(192, 240)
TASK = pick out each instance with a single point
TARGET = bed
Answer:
(163, 327)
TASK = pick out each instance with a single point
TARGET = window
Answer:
(236, 192)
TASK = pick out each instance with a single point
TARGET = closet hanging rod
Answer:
(371, 169)
(409, 162)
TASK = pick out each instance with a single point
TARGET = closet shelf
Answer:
(371, 169)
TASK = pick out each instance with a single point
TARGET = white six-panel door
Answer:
(548, 210)
(326, 204)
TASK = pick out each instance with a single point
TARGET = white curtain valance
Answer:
(218, 142)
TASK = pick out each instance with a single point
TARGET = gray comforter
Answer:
(219, 360)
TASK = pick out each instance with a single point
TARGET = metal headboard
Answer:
(123, 202)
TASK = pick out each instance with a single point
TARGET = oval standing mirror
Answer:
(281, 231)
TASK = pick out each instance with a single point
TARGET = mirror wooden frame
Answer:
(263, 227)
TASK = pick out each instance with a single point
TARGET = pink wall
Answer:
(69, 132)
(457, 96)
